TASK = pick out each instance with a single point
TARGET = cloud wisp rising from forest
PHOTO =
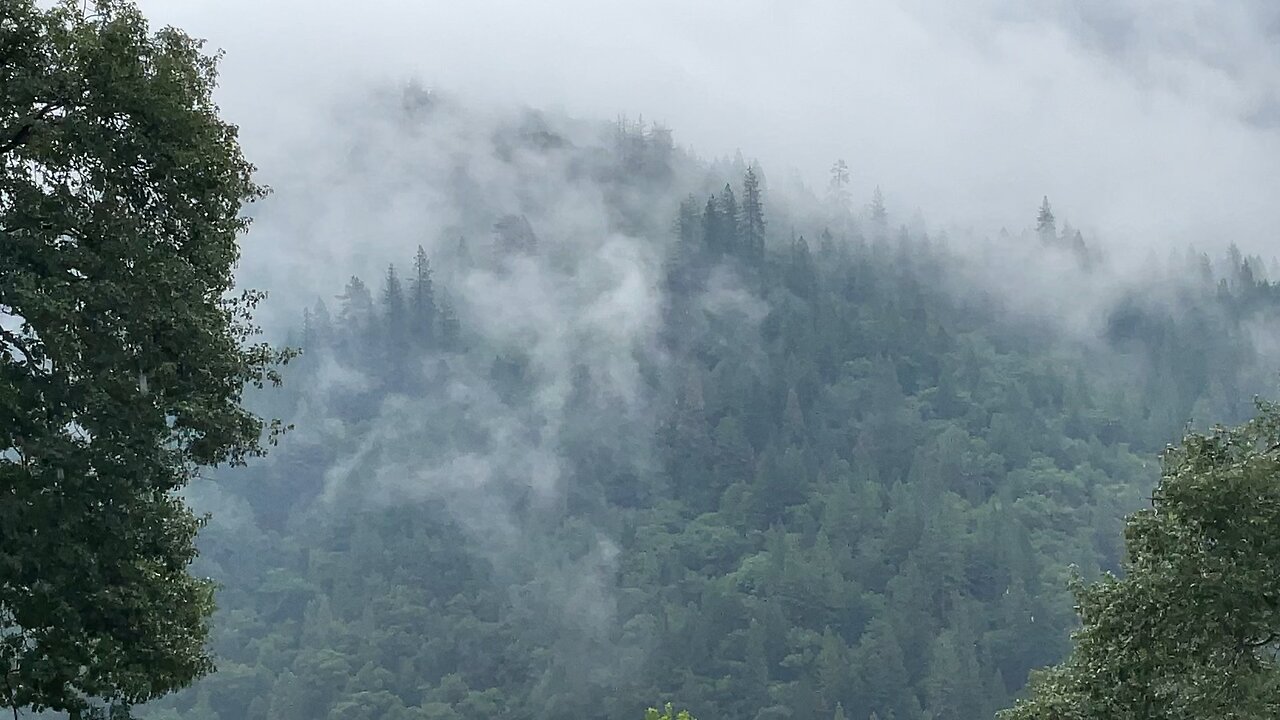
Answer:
(560, 305)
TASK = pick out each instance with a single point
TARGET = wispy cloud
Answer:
(1145, 122)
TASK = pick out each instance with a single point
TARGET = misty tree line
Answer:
(862, 503)
(403, 318)
(842, 480)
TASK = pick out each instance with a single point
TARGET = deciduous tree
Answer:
(122, 353)
(1191, 629)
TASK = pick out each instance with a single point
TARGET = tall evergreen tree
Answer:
(752, 218)
(712, 236)
(357, 315)
(728, 225)
(879, 214)
(422, 300)
(1046, 226)
(801, 272)
(393, 306)
(394, 317)
(839, 185)
(449, 328)
(357, 304)
(691, 454)
(687, 221)
(308, 330)
(322, 323)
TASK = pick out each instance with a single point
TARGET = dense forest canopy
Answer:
(598, 425)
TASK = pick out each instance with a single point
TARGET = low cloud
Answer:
(1147, 124)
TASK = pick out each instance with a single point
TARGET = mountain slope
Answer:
(601, 447)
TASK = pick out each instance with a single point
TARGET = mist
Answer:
(1145, 124)
(633, 425)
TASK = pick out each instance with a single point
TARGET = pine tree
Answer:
(756, 665)
(802, 275)
(734, 458)
(393, 330)
(711, 235)
(687, 221)
(879, 215)
(728, 226)
(682, 265)
(317, 328)
(308, 330)
(393, 307)
(827, 245)
(1081, 250)
(752, 222)
(356, 311)
(882, 672)
(839, 185)
(422, 301)
(832, 670)
(1046, 227)
(691, 451)
(448, 329)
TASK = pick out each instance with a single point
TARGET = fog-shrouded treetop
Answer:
(1151, 123)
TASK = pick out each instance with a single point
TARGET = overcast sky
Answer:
(1145, 121)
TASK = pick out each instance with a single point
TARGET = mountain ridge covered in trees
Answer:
(760, 454)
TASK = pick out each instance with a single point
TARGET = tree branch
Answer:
(1263, 642)
(16, 342)
(13, 694)
(23, 133)
(19, 138)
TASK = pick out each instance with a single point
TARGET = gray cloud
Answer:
(1145, 122)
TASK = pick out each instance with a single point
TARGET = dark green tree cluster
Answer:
(1068, 239)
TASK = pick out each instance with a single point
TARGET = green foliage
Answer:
(122, 360)
(666, 714)
(1191, 629)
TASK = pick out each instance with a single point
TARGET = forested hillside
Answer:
(636, 427)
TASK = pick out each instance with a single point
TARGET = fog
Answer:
(1146, 123)
(1150, 126)
(588, 357)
